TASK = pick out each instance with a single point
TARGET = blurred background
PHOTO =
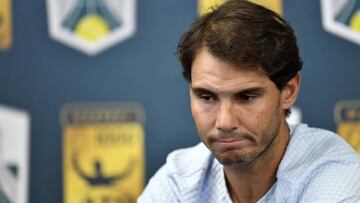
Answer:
(45, 67)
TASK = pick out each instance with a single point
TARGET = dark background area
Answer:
(39, 75)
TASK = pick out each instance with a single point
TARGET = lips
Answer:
(226, 144)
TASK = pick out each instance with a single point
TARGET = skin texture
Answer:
(240, 117)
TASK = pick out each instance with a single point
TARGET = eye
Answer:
(207, 98)
(246, 97)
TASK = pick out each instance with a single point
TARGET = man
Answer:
(243, 64)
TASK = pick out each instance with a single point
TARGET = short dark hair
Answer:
(247, 35)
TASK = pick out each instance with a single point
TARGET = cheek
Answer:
(203, 119)
(258, 120)
(199, 118)
(269, 119)
(254, 123)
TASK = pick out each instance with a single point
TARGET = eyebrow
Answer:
(200, 90)
(252, 90)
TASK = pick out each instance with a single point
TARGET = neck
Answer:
(251, 182)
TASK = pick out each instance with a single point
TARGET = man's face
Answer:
(238, 113)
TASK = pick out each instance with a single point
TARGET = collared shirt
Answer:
(318, 166)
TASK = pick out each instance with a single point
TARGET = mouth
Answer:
(227, 144)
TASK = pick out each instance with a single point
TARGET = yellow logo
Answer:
(347, 117)
(91, 26)
(355, 22)
(5, 24)
(207, 5)
(103, 154)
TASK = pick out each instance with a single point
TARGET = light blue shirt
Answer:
(318, 167)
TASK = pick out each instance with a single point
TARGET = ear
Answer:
(290, 92)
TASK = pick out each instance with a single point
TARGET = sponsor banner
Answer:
(275, 5)
(205, 6)
(14, 155)
(103, 155)
(91, 26)
(347, 117)
(342, 18)
(5, 24)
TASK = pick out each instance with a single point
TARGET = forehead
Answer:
(211, 72)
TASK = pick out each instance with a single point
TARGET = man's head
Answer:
(242, 63)
(247, 35)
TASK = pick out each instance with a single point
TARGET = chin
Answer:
(233, 159)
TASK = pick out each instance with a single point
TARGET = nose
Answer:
(226, 120)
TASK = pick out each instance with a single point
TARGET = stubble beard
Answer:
(241, 160)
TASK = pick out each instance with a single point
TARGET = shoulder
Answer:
(332, 182)
(180, 177)
(311, 146)
(188, 161)
(321, 166)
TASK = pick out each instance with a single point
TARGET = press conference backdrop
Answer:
(39, 75)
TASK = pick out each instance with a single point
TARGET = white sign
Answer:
(91, 26)
(14, 155)
(342, 18)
